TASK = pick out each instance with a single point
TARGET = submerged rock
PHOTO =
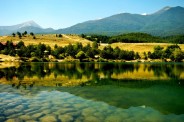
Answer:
(114, 118)
(46, 111)
(37, 115)
(19, 108)
(79, 119)
(88, 111)
(14, 115)
(25, 117)
(65, 110)
(79, 106)
(92, 119)
(49, 118)
(13, 120)
(66, 118)
(9, 112)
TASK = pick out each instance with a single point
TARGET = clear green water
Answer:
(111, 92)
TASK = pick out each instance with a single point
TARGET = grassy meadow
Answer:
(48, 39)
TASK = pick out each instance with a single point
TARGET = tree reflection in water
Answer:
(94, 72)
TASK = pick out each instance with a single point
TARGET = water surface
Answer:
(92, 92)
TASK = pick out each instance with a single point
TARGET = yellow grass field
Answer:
(140, 47)
(48, 39)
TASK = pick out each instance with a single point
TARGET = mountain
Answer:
(29, 26)
(117, 23)
(167, 21)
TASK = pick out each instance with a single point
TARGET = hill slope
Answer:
(167, 21)
(48, 39)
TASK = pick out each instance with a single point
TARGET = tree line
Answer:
(86, 53)
(135, 38)
(76, 51)
(20, 35)
(172, 52)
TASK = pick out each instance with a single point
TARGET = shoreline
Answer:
(11, 59)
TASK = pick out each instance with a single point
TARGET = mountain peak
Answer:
(163, 10)
(28, 24)
(168, 8)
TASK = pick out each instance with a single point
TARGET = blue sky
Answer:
(65, 13)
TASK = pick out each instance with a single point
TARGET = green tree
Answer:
(20, 44)
(95, 45)
(30, 51)
(90, 53)
(69, 50)
(60, 35)
(40, 50)
(169, 50)
(57, 52)
(158, 53)
(177, 55)
(83, 36)
(81, 55)
(31, 33)
(116, 53)
(19, 35)
(122, 54)
(13, 34)
(137, 56)
(77, 47)
(145, 55)
(25, 32)
(107, 53)
(22, 52)
(131, 55)
(1, 46)
(86, 48)
(55, 46)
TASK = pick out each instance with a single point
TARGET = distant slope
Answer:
(167, 21)
(116, 23)
(29, 26)
(135, 38)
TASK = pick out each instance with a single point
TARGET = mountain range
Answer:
(167, 21)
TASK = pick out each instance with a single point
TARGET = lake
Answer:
(92, 92)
